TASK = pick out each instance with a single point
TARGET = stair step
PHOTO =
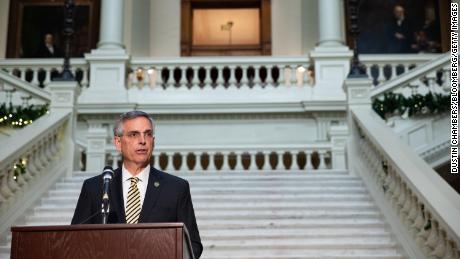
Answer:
(281, 223)
(330, 253)
(255, 215)
(234, 197)
(300, 243)
(256, 233)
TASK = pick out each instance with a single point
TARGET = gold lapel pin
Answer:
(156, 184)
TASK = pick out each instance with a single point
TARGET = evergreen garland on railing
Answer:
(18, 116)
(414, 105)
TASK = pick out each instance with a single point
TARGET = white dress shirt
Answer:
(141, 185)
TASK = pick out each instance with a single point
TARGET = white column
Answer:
(331, 57)
(111, 28)
(108, 61)
(330, 23)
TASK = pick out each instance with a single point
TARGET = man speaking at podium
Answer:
(139, 193)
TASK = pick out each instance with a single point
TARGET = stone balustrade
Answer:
(433, 77)
(35, 153)
(413, 196)
(215, 72)
(198, 159)
(384, 67)
(39, 72)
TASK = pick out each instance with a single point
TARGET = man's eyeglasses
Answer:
(136, 134)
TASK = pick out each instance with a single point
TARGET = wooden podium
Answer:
(162, 241)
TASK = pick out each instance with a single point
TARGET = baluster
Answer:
(369, 71)
(446, 80)
(48, 145)
(322, 160)
(294, 164)
(156, 160)
(220, 77)
(381, 76)
(412, 214)
(418, 221)
(183, 77)
(199, 164)
(35, 76)
(30, 165)
(212, 164)
(159, 77)
(23, 73)
(401, 198)
(195, 76)
(440, 248)
(151, 78)
(20, 180)
(257, 80)
(253, 164)
(308, 164)
(432, 239)
(27, 175)
(280, 76)
(5, 189)
(47, 76)
(432, 86)
(280, 162)
(396, 193)
(183, 164)
(244, 82)
(266, 166)
(171, 81)
(37, 161)
(293, 77)
(12, 184)
(145, 77)
(287, 75)
(269, 82)
(239, 158)
(423, 234)
(170, 164)
(393, 70)
(225, 166)
(84, 78)
(232, 77)
(207, 78)
(42, 154)
(299, 78)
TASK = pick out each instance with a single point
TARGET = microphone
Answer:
(107, 176)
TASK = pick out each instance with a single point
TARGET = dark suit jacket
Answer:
(44, 52)
(169, 202)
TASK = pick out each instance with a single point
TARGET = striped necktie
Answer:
(133, 204)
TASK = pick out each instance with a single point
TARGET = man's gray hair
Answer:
(118, 129)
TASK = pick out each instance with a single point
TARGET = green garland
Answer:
(19, 117)
(416, 104)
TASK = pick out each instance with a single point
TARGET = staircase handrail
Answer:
(25, 86)
(42, 149)
(407, 77)
(419, 197)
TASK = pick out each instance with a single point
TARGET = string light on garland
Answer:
(19, 168)
(394, 104)
(19, 116)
